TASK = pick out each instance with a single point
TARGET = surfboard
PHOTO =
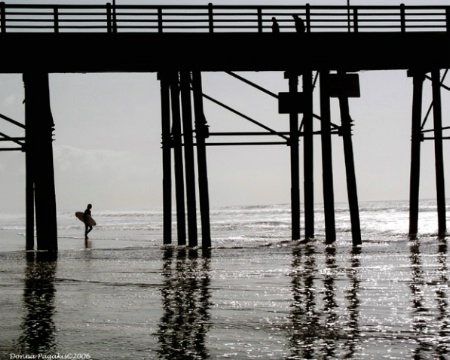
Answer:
(80, 216)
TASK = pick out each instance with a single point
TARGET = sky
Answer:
(107, 148)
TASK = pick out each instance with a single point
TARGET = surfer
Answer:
(88, 226)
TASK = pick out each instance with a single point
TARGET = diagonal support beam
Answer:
(252, 84)
(244, 116)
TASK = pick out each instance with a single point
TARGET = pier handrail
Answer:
(16, 18)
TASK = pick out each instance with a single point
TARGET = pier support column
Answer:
(29, 191)
(185, 83)
(346, 128)
(438, 149)
(166, 158)
(201, 131)
(416, 138)
(39, 162)
(327, 165)
(308, 151)
(293, 142)
(178, 158)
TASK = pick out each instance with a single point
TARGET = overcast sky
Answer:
(107, 148)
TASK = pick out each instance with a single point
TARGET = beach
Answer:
(255, 295)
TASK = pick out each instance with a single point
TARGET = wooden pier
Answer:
(181, 42)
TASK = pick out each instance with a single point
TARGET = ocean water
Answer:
(255, 295)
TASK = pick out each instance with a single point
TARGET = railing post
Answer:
(355, 20)
(402, 18)
(260, 24)
(160, 21)
(308, 18)
(109, 17)
(3, 16)
(55, 19)
(210, 18)
(447, 19)
(114, 17)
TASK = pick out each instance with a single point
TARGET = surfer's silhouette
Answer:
(87, 225)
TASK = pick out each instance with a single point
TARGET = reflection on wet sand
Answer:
(186, 305)
(38, 327)
(424, 321)
(318, 332)
(352, 324)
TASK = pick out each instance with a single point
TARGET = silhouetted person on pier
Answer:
(275, 26)
(299, 24)
(87, 225)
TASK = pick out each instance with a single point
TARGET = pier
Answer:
(179, 43)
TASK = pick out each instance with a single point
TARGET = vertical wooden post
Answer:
(201, 130)
(350, 169)
(416, 138)
(29, 186)
(56, 19)
(109, 18)
(210, 18)
(178, 158)
(3, 17)
(185, 82)
(308, 154)
(40, 126)
(166, 158)
(327, 164)
(438, 149)
(260, 21)
(293, 142)
(402, 18)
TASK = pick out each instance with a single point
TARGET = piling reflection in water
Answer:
(38, 327)
(352, 324)
(303, 313)
(186, 305)
(432, 330)
(316, 327)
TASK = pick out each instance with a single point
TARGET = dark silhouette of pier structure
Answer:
(181, 42)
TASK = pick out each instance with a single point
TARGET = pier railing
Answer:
(211, 18)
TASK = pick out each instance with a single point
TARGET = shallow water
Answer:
(252, 299)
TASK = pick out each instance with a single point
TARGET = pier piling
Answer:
(40, 187)
(346, 131)
(178, 159)
(166, 158)
(416, 139)
(294, 137)
(185, 86)
(327, 166)
(438, 150)
(201, 133)
(308, 155)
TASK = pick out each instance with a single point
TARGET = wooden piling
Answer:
(308, 155)
(327, 165)
(438, 149)
(201, 132)
(185, 83)
(295, 159)
(178, 159)
(166, 158)
(29, 196)
(416, 138)
(346, 128)
(29, 186)
(40, 126)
